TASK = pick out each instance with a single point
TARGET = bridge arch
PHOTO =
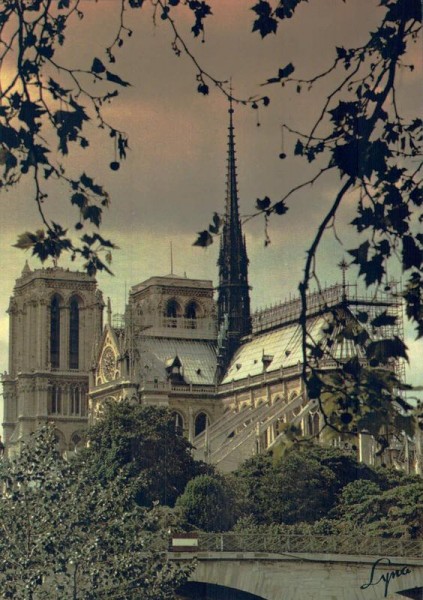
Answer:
(195, 590)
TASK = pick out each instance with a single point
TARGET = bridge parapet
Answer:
(322, 544)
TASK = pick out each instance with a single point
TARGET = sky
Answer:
(174, 177)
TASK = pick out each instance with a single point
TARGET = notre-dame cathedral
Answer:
(231, 378)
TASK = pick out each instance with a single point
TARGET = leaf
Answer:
(360, 253)
(29, 112)
(412, 255)
(263, 204)
(314, 387)
(97, 66)
(280, 207)
(265, 23)
(215, 226)
(382, 351)
(217, 220)
(362, 317)
(383, 320)
(9, 136)
(353, 367)
(286, 71)
(204, 239)
(373, 270)
(79, 199)
(69, 124)
(88, 182)
(286, 9)
(116, 79)
(360, 158)
(341, 52)
(299, 148)
(25, 240)
(92, 213)
(416, 196)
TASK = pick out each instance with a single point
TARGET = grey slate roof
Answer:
(283, 344)
(281, 347)
(198, 359)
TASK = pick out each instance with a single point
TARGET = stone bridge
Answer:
(234, 573)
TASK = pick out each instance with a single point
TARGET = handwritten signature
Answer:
(385, 577)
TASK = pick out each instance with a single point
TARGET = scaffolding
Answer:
(388, 300)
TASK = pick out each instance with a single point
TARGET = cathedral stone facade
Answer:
(54, 316)
(231, 378)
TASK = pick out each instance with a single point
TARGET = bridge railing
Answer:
(292, 543)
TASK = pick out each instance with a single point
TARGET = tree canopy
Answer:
(325, 491)
(142, 445)
(67, 535)
(208, 503)
(302, 485)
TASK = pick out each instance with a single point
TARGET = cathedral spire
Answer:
(233, 293)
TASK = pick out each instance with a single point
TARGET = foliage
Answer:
(66, 535)
(207, 503)
(305, 484)
(299, 486)
(396, 512)
(140, 443)
(313, 490)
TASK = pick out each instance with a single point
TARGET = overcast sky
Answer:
(174, 178)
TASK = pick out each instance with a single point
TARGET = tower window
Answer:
(74, 334)
(173, 309)
(55, 401)
(191, 311)
(75, 401)
(55, 333)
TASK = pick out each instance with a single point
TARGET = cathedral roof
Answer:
(281, 348)
(197, 357)
(273, 349)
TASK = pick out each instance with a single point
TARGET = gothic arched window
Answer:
(55, 332)
(191, 310)
(75, 401)
(55, 401)
(201, 423)
(191, 313)
(74, 334)
(172, 309)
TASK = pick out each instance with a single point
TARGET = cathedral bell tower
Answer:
(233, 304)
(55, 316)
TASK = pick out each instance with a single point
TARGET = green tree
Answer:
(302, 484)
(396, 512)
(295, 488)
(141, 444)
(64, 535)
(207, 503)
